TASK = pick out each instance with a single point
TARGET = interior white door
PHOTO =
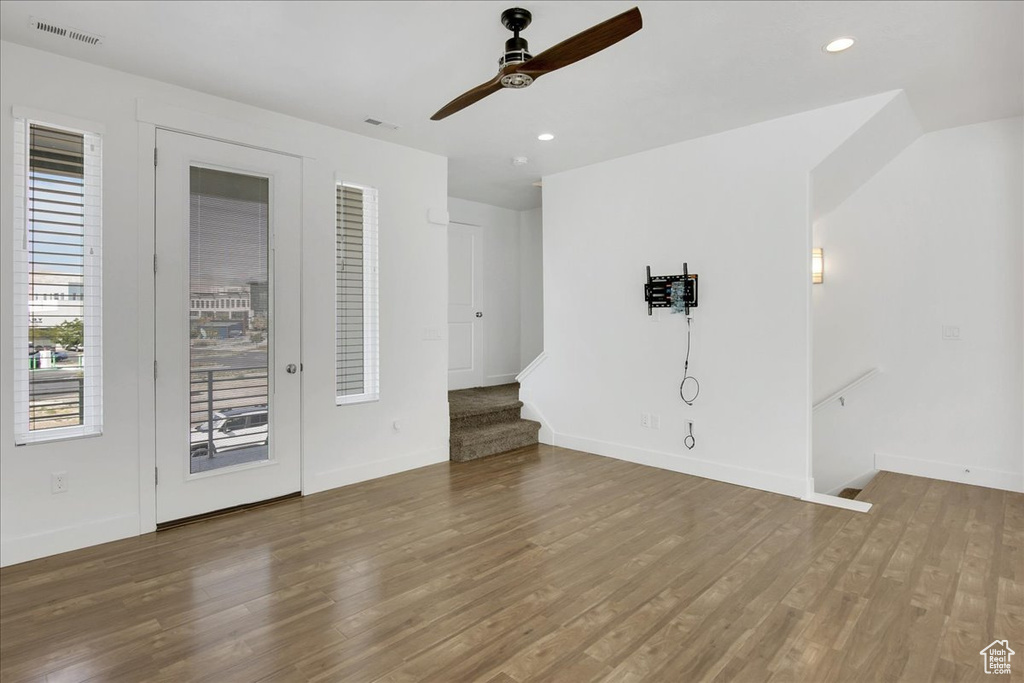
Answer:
(227, 325)
(465, 306)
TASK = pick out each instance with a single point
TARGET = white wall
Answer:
(882, 137)
(531, 278)
(934, 239)
(110, 491)
(736, 207)
(501, 282)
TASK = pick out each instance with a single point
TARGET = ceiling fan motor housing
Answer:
(517, 50)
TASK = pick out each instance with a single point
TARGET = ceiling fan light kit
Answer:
(517, 68)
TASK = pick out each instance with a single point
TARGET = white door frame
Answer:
(151, 114)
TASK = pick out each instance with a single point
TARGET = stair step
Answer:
(491, 416)
(479, 442)
(490, 432)
(470, 402)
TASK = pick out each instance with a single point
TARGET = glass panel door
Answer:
(228, 404)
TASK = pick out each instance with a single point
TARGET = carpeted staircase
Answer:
(486, 421)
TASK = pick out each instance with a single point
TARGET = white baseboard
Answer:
(530, 412)
(755, 479)
(495, 380)
(964, 474)
(55, 541)
(855, 483)
(837, 502)
(353, 474)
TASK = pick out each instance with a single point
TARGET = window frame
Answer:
(371, 296)
(91, 296)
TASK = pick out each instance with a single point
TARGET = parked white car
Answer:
(232, 429)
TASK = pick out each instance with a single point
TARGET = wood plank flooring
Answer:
(541, 565)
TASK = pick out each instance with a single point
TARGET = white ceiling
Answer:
(695, 68)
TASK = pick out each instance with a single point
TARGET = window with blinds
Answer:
(356, 305)
(57, 312)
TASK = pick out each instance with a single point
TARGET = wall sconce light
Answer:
(817, 265)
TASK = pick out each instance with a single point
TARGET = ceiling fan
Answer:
(517, 68)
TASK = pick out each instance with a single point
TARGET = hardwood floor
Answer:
(544, 564)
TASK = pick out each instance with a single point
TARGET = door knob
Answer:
(290, 368)
(479, 314)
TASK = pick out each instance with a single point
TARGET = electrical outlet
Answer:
(645, 420)
(58, 482)
(951, 333)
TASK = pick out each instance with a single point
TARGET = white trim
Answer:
(837, 502)
(65, 539)
(370, 293)
(809, 335)
(534, 364)
(91, 396)
(216, 127)
(855, 483)
(742, 476)
(955, 472)
(835, 396)
(152, 114)
(46, 436)
(373, 469)
(353, 399)
(495, 380)
(59, 120)
(147, 328)
(530, 411)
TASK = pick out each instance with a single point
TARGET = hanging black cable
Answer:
(694, 384)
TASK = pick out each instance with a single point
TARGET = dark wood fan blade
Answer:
(585, 43)
(469, 97)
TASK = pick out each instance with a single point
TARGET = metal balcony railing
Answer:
(55, 399)
(218, 395)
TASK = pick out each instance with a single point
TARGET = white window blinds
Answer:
(57, 287)
(357, 338)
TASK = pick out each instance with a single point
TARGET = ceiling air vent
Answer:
(66, 32)
(380, 124)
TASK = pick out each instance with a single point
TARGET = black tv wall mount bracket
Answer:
(678, 292)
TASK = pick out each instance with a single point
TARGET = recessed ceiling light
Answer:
(545, 137)
(839, 44)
